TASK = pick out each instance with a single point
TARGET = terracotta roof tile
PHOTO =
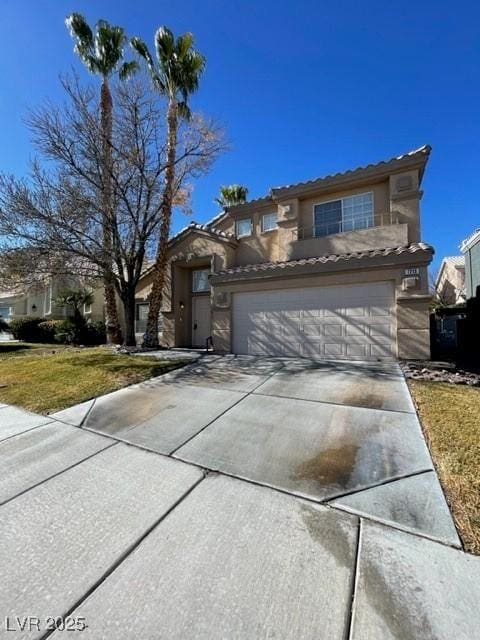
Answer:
(203, 227)
(341, 257)
(421, 151)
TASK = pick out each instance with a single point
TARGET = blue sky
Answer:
(303, 88)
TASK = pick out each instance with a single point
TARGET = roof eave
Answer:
(419, 258)
(377, 171)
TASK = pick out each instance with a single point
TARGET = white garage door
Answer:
(353, 322)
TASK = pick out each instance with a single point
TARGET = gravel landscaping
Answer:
(439, 372)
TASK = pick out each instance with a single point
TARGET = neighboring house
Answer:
(39, 300)
(333, 268)
(450, 282)
(471, 251)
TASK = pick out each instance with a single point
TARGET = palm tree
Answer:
(175, 75)
(102, 53)
(231, 195)
(75, 299)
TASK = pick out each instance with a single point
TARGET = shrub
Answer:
(47, 330)
(65, 331)
(26, 329)
(95, 332)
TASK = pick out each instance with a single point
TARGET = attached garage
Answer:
(353, 322)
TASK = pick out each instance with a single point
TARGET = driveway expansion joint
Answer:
(37, 426)
(123, 556)
(336, 404)
(244, 396)
(381, 483)
(355, 578)
(59, 473)
(395, 526)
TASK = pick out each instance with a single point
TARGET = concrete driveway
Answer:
(236, 498)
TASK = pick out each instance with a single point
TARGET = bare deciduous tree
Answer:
(51, 222)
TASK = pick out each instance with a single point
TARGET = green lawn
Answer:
(47, 378)
(450, 417)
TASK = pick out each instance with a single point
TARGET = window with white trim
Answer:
(344, 214)
(244, 228)
(87, 308)
(269, 222)
(200, 283)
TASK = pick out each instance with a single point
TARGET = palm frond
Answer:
(164, 45)
(101, 51)
(82, 34)
(231, 195)
(178, 67)
(128, 69)
(184, 110)
(139, 46)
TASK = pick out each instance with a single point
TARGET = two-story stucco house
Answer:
(330, 268)
(40, 300)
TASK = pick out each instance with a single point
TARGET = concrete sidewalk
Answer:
(234, 498)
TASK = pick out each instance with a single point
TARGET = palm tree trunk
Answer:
(150, 339)
(114, 332)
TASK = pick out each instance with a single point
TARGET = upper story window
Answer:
(87, 308)
(200, 282)
(269, 222)
(244, 228)
(345, 214)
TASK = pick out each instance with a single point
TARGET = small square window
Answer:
(200, 281)
(244, 228)
(269, 222)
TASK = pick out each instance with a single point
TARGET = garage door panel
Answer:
(381, 350)
(380, 329)
(356, 311)
(312, 322)
(338, 312)
(333, 350)
(333, 329)
(355, 330)
(357, 350)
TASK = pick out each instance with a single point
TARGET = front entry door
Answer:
(200, 320)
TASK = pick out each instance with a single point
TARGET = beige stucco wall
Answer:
(361, 240)
(396, 210)
(413, 328)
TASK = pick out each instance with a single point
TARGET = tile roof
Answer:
(423, 151)
(457, 261)
(416, 154)
(341, 257)
(195, 226)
